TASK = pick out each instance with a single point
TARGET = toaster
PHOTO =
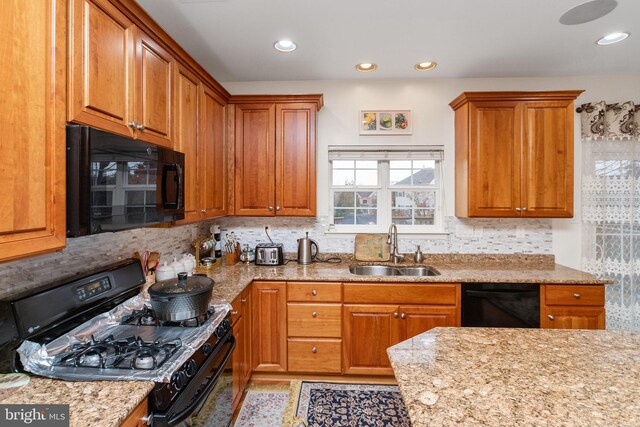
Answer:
(269, 254)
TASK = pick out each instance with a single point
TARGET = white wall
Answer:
(433, 123)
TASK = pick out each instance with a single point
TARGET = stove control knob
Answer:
(206, 348)
(190, 368)
(179, 380)
(220, 331)
(226, 324)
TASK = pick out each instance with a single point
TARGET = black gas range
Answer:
(98, 327)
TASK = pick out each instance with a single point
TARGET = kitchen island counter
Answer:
(513, 377)
(95, 403)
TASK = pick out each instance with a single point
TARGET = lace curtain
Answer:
(611, 206)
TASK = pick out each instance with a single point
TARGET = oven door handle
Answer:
(204, 392)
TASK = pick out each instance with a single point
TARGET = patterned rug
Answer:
(263, 406)
(363, 405)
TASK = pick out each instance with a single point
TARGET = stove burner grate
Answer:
(147, 317)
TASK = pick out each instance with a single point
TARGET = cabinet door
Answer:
(186, 137)
(547, 178)
(246, 368)
(102, 57)
(152, 86)
(416, 319)
(368, 331)
(33, 83)
(572, 318)
(295, 170)
(269, 326)
(494, 159)
(136, 418)
(237, 361)
(255, 160)
(212, 166)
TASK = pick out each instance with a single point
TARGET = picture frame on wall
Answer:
(385, 122)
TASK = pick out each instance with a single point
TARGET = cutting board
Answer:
(371, 247)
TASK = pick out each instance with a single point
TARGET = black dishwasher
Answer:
(501, 305)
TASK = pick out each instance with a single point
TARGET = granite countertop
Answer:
(515, 377)
(231, 280)
(95, 403)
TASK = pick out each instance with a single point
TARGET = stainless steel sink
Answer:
(388, 270)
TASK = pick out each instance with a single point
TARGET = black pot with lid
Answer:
(181, 298)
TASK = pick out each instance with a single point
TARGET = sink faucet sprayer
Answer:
(392, 240)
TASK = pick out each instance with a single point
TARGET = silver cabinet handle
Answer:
(314, 292)
(518, 209)
(551, 317)
(234, 312)
(204, 210)
(270, 208)
(395, 315)
(133, 124)
(147, 419)
(277, 208)
(314, 314)
(314, 350)
(577, 296)
(403, 316)
(525, 209)
(140, 127)
(243, 300)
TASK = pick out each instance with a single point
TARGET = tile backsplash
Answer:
(86, 253)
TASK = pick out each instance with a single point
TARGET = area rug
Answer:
(263, 406)
(321, 404)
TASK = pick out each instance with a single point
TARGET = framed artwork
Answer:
(385, 122)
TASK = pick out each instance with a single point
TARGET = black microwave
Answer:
(117, 183)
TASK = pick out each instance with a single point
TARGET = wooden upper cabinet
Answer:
(295, 159)
(120, 78)
(212, 165)
(33, 83)
(254, 159)
(547, 185)
(152, 84)
(186, 87)
(514, 154)
(275, 154)
(102, 54)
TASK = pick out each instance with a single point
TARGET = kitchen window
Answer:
(372, 188)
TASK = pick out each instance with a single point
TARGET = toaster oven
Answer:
(269, 254)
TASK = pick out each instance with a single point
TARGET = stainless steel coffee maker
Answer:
(306, 254)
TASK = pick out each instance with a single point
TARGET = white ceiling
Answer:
(233, 39)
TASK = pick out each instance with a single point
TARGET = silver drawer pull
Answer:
(404, 316)
(314, 314)
(395, 315)
(234, 312)
(525, 209)
(314, 292)
(314, 350)
(132, 124)
(243, 300)
(518, 209)
(551, 317)
(577, 296)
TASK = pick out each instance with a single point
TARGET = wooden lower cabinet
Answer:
(241, 360)
(314, 355)
(572, 307)
(269, 326)
(314, 320)
(416, 319)
(368, 331)
(137, 418)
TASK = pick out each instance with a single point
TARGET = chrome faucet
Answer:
(392, 240)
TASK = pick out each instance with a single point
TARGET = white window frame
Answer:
(384, 188)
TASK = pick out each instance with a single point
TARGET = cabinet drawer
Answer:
(313, 355)
(574, 295)
(396, 293)
(314, 320)
(314, 291)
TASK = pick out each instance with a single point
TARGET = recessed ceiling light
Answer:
(365, 67)
(427, 65)
(612, 38)
(587, 12)
(285, 45)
